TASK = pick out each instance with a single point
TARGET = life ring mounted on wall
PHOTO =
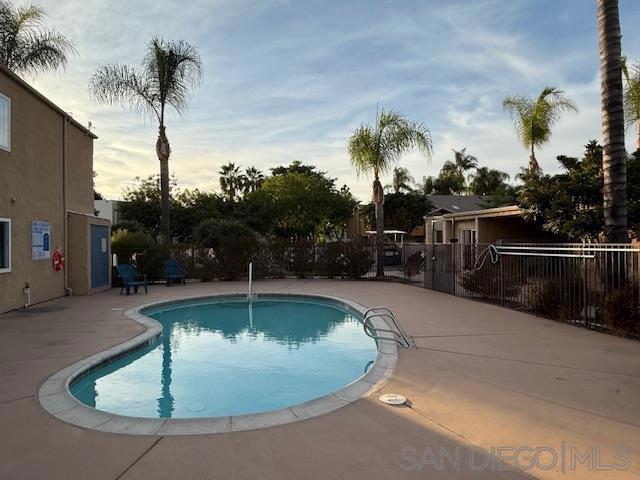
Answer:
(57, 259)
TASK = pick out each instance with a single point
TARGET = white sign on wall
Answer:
(40, 240)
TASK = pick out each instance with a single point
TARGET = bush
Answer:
(125, 243)
(490, 285)
(210, 233)
(358, 259)
(621, 312)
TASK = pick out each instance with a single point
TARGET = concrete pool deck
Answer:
(482, 379)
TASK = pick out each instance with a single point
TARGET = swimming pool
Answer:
(222, 357)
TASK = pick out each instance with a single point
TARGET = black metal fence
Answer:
(592, 285)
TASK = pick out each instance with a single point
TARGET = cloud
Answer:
(290, 80)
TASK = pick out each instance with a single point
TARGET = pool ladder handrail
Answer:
(398, 335)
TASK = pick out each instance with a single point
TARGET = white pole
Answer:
(250, 278)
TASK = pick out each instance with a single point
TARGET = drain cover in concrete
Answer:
(393, 399)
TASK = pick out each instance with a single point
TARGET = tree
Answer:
(402, 211)
(614, 157)
(570, 203)
(632, 97)
(449, 181)
(299, 202)
(168, 73)
(374, 149)
(253, 179)
(232, 181)
(464, 161)
(487, 181)
(27, 46)
(425, 187)
(533, 119)
(402, 180)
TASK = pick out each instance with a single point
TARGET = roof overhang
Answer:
(509, 211)
(45, 100)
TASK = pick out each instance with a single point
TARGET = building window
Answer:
(5, 245)
(468, 236)
(5, 122)
(438, 236)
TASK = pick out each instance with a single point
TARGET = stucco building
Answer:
(46, 201)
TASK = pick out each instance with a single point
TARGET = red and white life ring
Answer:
(57, 259)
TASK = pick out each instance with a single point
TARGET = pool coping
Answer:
(55, 397)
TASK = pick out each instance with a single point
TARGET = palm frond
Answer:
(174, 68)
(631, 94)
(26, 45)
(126, 86)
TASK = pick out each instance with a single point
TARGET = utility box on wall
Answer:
(89, 253)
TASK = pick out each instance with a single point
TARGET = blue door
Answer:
(99, 256)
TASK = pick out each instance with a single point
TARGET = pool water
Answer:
(225, 358)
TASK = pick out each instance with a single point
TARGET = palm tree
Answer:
(425, 186)
(253, 179)
(402, 180)
(169, 71)
(231, 181)
(487, 181)
(374, 149)
(534, 118)
(632, 97)
(463, 161)
(614, 157)
(26, 45)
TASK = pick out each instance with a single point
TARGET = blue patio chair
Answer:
(131, 278)
(174, 272)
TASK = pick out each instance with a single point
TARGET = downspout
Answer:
(65, 120)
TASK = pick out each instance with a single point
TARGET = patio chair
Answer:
(131, 278)
(174, 272)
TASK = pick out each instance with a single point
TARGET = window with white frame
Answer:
(438, 236)
(5, 245)
(5, 122)
(468, 236)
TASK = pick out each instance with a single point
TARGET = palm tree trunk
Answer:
(378, 200)
(638, 135)
(163, 151)
(614, 158)
(534, 166)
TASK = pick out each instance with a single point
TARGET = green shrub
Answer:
(621, 312)
(210, 233)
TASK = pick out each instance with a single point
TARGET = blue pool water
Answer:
(223, 358)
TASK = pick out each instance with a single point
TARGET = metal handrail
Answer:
(371, 332)
(398, 335)
(389, 314)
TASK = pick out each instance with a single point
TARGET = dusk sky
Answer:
(290, 80)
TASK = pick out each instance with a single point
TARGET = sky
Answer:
(289, 80)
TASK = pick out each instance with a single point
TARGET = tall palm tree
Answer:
(27, 46)
(231, 180)
(168, 72)
(402, 180)
(533, 119)
(632, 97)
(374, 149)
(253, 179)
(614, 156)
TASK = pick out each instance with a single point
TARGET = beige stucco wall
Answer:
(31, 188)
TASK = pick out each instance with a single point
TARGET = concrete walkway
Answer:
(482, 380)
